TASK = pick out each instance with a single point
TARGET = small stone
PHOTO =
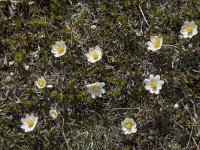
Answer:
(11, 63)
(12, 73)
(26, 67)
(49, 86)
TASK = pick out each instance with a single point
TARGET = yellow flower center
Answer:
(41, 83)
(189, 29)
(156, 44)
(60, 49)
(95, 55)
(153, 84)
(96, 88)
(30, 122)
(128, 125)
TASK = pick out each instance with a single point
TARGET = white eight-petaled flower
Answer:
(94, 54)
(129, 126)
(59, 48)
(189, 29)
(155, 43)
(29, 122)
(153, 84)
(53, 113)
(96, 89)
(40, 83)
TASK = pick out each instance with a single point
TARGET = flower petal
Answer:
(157, 91)
(147, 87)
(93, 95)
(161, 41)
(161, 82)
(62, 43)
(157, 78)
(134, 130)
(102, 84)
(97, 48)
(146, 81)
(152, 91)
(151, 77)
(154, 39)
(149, 43)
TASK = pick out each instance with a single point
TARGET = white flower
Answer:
(189, 29)
(96, 89)
(155, 43)
(176, 106)
(94, 55)
(153, 84)
(29, 122)
(53, 113)
(59, 48)
(129, 126)
(93, 26)
(40, 83)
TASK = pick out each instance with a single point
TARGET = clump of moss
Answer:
(19, 57)
(36, 22)
(10, 42)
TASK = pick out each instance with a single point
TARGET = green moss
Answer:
(10, 42)
(36, 22)
(127, 148)
(23, 1)
(26, 103)
(19, 23)
(95, 123)
(127, 3)
(19, 57)
(24, 41)
(103, 7)
(3, 5)
(71, 82)
(11, 108)
(57, 96)
(123, 20)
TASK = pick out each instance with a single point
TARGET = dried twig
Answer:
(124, 108)
(189, 138)
(143, 16)
(66, 141)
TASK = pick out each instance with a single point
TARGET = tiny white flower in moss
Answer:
(59, 48)
(155, 43)
(153, 84)
(94, 55)
(40, 83)
(29, 122)
(176, 106)
(96, 89)
(53, 113)
(93, 26)
(129, 126)
(189, 29)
